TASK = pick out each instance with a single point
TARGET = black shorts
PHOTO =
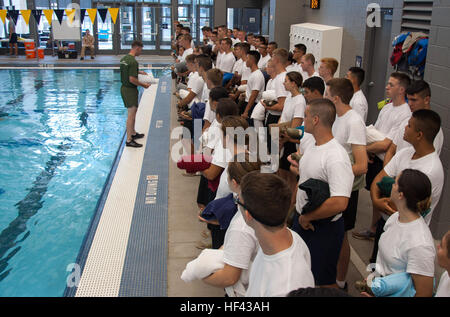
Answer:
(349, 214)
(324, 244)
(204, 195)
(13, 39)
(289, 148)
(270, 120)
(373, 169)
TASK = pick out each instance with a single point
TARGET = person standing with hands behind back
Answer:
(129, 71)
(12, 37)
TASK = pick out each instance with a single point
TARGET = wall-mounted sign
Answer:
(314, 4)
(252, 20)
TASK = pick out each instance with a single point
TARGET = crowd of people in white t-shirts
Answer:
(278, 225)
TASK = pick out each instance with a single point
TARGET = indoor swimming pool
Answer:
(60, 132)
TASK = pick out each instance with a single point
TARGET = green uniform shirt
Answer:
(128, 67)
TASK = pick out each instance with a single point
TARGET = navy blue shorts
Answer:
(349, 214)
(373, 169)
(324, 245)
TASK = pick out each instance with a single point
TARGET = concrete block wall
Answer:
(437, 73)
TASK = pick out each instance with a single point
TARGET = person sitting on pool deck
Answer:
(88, 42)
(129, 71)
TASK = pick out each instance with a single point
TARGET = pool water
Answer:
(60, 131)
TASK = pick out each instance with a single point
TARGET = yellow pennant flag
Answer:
(70, 14)
(3, 15)
(49, 15)
(26, 15)
(113, 12)
(92, 14)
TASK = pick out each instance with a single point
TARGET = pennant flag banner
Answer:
(113, 12)
(92, 14)
(49, 15)
(14, 14)
(70, 15)
(103, 13)
(26, 15)
(82, 14)
(59, 14)
(37, 15)
(3, 15)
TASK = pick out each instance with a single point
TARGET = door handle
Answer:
(371, 84)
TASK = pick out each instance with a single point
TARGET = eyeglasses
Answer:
(257, 218)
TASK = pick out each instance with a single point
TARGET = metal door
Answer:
(379, 52)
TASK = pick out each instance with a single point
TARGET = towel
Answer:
(385, 186)
(259, 112)
(208, 262)
(373, 135)
(214, 184)
(222, 209)
(394, 285)
(317, 191)
(148, 79)
(242, 88)
(198, 110)
(269, 95)
(194, 163)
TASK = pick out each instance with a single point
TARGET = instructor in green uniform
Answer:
(129, 71)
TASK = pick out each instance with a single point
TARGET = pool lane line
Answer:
(90, 233)
(39, 83)
(27, 208)
(145, 267)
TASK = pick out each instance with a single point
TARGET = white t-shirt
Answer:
(239, 66)
(430, 165)
(219, 59)
(239, 250)
(214, 134)
(255, 81)
(315, 74)
(306, 142)
(402, 144)
(406, 247)
(444, 286)
(280, 90)
(205, 94)
(389, 119)
(196, 84)
(360, 105)
(221, 156)
(246, 72)
(262, 64)
(349, 130)
(294, 107)
(227, 62)
(294, 68)
(279, 274)
(186, 53)
(329, 163)
(224, 188)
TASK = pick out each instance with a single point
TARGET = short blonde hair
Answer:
(331, 63)
(282, 54)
